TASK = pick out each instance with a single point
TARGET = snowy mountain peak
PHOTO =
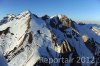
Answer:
(61, 16)
(11, 16)
(27, 38)
(26, 12)
(23, 14)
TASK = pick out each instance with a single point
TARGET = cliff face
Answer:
(26, 38)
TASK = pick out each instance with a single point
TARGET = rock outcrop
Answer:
(26, 38)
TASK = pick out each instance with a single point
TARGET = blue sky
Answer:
(78, 10)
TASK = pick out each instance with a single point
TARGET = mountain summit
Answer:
(26, 39)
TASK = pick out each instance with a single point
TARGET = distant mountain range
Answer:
(26, 39)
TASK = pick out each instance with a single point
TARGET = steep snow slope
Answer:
(26, 38)
(2, 59)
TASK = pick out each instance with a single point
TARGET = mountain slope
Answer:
(26, 39)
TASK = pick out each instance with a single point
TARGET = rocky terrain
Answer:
(26, 38)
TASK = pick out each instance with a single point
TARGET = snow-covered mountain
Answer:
(26, 39)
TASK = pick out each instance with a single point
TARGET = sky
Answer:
(78, 10)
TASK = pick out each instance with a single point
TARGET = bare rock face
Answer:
(26, 39)
(96, 30)
(85, 38)
(62, 22)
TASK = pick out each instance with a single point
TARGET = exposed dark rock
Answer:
(45, 17)
(41, 63)
(28, 23)
(5, 31)
(1, 32)
(39, 32)
(30, 38)
(76, 59)
(66, 47)
(81, 23)
(52, 23)
(54, 40)
(36, 16)
(91, 45)
(60, 48)
(12, 33)
(62, 23)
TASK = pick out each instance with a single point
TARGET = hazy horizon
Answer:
(78, 10)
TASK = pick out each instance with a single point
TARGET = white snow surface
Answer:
(16, 43)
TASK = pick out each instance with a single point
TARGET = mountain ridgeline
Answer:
(25, 39)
